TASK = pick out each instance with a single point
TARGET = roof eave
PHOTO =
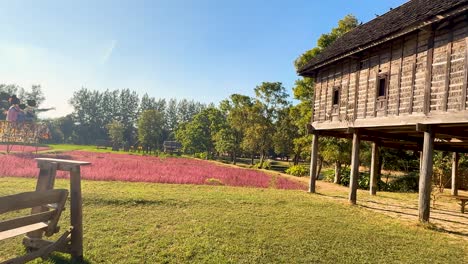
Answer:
(310, 71)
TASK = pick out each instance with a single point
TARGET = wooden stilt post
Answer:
(426, 172)
(455, 158)
(374, 168)
(420, 161)
(313, 162)
(76, 214)
(353, 184)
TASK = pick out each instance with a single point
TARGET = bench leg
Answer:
(463, 203)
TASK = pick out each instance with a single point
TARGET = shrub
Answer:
(298, 170)
(407, 183)
(213, 181)
(201, 155)
(266, 165)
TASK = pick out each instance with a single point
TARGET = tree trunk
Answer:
(337, 178)
(234, 158)
(319, 169)
(252, 159)
(262, 159)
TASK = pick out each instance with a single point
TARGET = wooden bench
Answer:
(462, 200)
(47, 207)
(101, 144)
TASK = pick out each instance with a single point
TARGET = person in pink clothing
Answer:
(14, 110)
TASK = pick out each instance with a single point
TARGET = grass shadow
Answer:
(61, 259)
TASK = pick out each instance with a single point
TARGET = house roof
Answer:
(409, 15)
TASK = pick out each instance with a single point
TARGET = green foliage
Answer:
(344, 25)
(263, 165)
(150, 129)
(298, 170)
(116, 133)
(200, 155)
(335, 150)
(199, 135)
(406, 183)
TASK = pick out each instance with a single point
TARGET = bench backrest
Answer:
(52, 203)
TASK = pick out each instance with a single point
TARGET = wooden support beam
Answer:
(356, 89)
(413, 83)
(313, 162)
(447, 71)
(374, 168)
(426, 175)
(455, 159)
(400, 70)
(465, 78)
(76, 214)
(354, 168)
(428, 76)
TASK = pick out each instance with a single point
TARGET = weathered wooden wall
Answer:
(426, 73)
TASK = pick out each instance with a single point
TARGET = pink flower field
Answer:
(22, 148)
(124, 167)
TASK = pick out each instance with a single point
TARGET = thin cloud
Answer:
(108, 52)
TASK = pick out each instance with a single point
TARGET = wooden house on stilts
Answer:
(399, 81)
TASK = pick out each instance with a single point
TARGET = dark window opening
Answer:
(382, 88)
(336, 96)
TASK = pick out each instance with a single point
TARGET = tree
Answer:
(150, 129)
(345, 25)
(116, 134)
(304, 91)
(236, 110)
(199, 135)
(270, 98)
(285, 133)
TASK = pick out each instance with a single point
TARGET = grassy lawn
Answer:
(164, 223)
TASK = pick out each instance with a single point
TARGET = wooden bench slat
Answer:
(30, 199)
(27, 220)
(22, 230)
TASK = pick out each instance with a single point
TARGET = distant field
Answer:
(170, 223)
(136, 168)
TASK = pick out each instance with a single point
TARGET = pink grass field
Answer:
(22, 148)
(132, 168)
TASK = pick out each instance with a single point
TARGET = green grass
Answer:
(157, 223)
(70, 147)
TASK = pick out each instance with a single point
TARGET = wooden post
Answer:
(455, 158)
(76, 214)
(313, 162)
(45, 181)
(374, 168)
(426, 173)
(354, 168)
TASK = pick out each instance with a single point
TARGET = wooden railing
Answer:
(22, 132)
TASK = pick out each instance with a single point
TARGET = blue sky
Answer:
(201, 49)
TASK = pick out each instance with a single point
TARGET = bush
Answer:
(266, 165)
(298, 170)
(407, 183)
(363, 180)
(201, 155)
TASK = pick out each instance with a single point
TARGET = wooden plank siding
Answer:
(426, 73)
